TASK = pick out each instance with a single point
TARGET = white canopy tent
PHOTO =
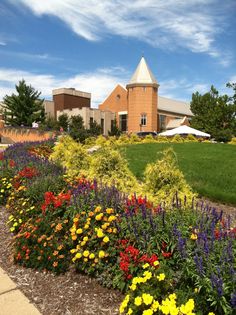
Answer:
(184, 130)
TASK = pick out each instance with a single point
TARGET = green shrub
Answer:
(163, 179)
(123, 139)
(107, 165)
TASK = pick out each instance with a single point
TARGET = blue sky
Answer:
(93, 45)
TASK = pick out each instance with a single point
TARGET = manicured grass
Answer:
(209, 168)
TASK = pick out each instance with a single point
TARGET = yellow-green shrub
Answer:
(71, 155)
(107, 165)
(101, 140)
(177, 139)
(134, 138)
(148, 139)
(123, 139)
(233, 141)
(162, 139)
(190, 138)
(163, 179)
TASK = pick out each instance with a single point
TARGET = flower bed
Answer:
(167, 261)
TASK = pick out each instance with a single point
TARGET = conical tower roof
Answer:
(142, 74)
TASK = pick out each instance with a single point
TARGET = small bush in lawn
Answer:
(177, 139)
(71, 155)
(162, 139)
(135, 138)
(233, 141)
(163, 179)
(149, 139)
(123, 139)
(190, 138)
(108, 166)
(101, 140)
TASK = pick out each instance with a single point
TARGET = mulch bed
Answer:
(67, 294)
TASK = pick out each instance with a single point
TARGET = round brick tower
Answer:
(142, 96)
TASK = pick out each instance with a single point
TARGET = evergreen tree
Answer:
(214, 114)
(25, 107)
(63, 122)
(115, 131)
(95, 129)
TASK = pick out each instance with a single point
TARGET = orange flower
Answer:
(55, 264)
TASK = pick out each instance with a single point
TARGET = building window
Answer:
(91, 121)
(162, 122)
(143, 120)
(102, 125)
(144, 88)
(118, 97)
(123, 122)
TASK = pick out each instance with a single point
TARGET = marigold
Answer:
(138, 301)
(101, 254)
(161, 277)
(106, 239)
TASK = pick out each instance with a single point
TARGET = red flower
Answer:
(129, 276)
(167, 254)
(12, 163)
(1, 156)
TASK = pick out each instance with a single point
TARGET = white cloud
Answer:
(168, 24)
(100, 83)
(2, 43)
(177, 88)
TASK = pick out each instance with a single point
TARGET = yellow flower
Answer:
(109, 211)
(99, 217)
(86, 253)
(74, 237)
(148, 312)
(156, 263)
(100, 233)
(147, 274)
(138, 301)
(211, 313)
(75, 220)
(78, 255)
(86, 226)
(193, 236)
(106, 239)
(101, 254)
(161, 277)
(146, 266)
(79, 231)
(147, 298)
(155, 305)
(91, 256)
(73, 251)
(111, 218)
(130, 311)
(98, 209)
(85, 259)
(133, 287)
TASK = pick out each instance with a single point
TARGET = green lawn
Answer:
(209, 168)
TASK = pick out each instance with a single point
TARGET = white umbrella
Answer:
(184, 130)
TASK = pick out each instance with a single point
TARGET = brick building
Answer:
(140, 108)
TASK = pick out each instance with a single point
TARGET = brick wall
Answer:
(12, 135)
